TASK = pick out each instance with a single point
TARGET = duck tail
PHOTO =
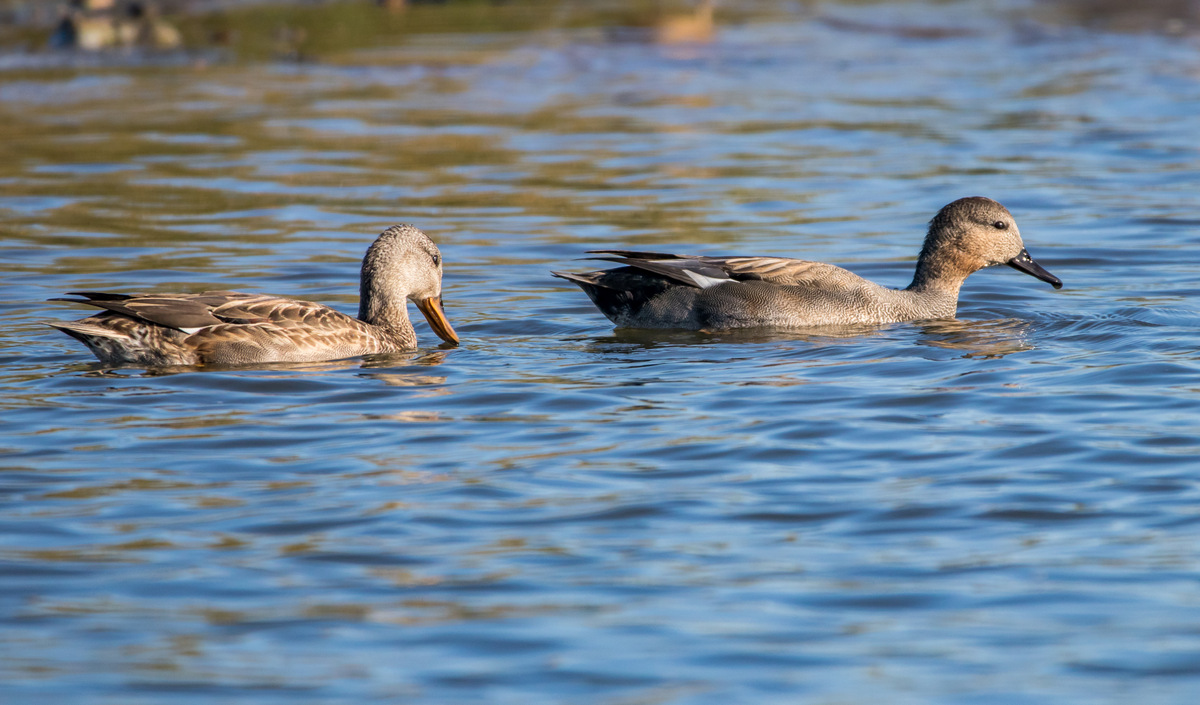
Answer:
(126, 344)
(84, 331)
(583, 279)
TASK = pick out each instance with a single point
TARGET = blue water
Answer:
(1001, 508)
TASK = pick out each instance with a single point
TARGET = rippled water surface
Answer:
(1001, 508)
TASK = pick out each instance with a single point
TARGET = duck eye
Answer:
(437, 261)
(1000, 225)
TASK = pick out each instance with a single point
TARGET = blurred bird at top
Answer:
(95, 25)
(400, 5)
(697, 26)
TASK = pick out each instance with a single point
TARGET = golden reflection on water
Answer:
(133, 485)
(124, 552)
(85, 171)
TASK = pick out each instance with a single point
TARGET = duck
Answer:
(98, 25)
(697, 292)
(235, 328)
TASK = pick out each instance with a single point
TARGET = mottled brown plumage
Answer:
(657, 290)
(231, 328)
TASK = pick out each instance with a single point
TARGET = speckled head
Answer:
(403, 263)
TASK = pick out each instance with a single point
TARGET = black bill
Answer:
(1024, 263)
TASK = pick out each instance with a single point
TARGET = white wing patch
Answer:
(704, 282)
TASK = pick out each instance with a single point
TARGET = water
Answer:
(1001, 508)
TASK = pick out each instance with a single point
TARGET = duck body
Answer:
(745, 292)
(234, 328)
(658, 290)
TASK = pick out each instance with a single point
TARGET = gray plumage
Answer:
(230, 328)
(657, 290)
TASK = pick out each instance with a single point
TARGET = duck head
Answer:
(972, 233)
(403, 263)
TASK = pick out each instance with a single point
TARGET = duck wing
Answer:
(785, 271)
(282, 312)
(191, 312)
(699, 272)
(702, 271)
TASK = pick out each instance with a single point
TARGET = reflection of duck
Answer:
(94, 25)
(986, 339)
(227, 327)
(656, 290)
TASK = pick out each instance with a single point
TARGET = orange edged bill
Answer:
(432, 308)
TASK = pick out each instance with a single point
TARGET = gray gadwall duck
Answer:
(656, 290)
(232, 328)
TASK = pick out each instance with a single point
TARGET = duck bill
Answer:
(1024, 263)
(432, 308)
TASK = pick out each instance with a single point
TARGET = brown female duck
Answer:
(656, 290)
(231, 328)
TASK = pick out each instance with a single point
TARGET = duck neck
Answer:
(936, 284)
(936, 277)
(388, 313)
